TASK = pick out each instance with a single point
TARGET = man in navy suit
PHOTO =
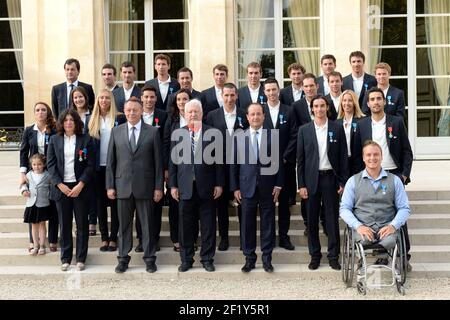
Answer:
(163, 83)
(256, 180)
(358, 80)
(334, 97)
(282, 118)
(395, 98)
(109, 74)
(61, 92)
(195, 183)
(294, 91)
(185, 78)
(129, 88)
(227, 119)
(302, 107)
(322, 169)
(390, 133)
(253, 92)
(212, 97)
(328, 65)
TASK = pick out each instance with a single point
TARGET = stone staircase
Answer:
(429, 228)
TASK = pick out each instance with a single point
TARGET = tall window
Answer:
(276, 33)
(11, 64)
(140, 29)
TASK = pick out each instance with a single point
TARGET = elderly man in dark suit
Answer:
(322, 169)
(134, 176)
(256, 178)
(195, 182)
(61, 92)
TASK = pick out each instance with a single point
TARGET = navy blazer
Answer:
(170, 126)
(174, 86)
(395, 103)
(161, 115)
(287, 97)
(287, 129)
(355, 124)
(83, 167)
(246, 177)
(209, 101)
(369, 82)
(397, 140)
(59, 97)
(301, 111)
(119, 96)
(245, 99)
(308, 156)
(320, 89)
(333, 112)
(207, 176)
(29, 145)
(170, 101)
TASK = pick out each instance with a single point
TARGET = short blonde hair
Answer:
(383, 65)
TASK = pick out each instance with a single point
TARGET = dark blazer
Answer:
(29, 145)
(287, 129)
(84, 168)
(320, 85)
(333, 112)
(355, 124)
(119, 96)
(302, 115)
(161, 115)
(174, 86)
(286, 95)
(245, 99)
(216, 119)
(138, 173)
(247, 177)
(170, 126)
(170, 100)
(209, 101)
(207, 176)
(369, 82)
(395, 103)
(96, 142)
(398, 143)
(308, 156)
(59, 97)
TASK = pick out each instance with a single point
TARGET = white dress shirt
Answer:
(385, 93)
(358, 84)
(348, 132)
(336, 101)
(219, 96)
(164, 88)
(69, 158)
(183, 122)
(296, 94)
(148, 117)
(83, 118)
(322, 136)
(274, 111)
(326, 87)
(105, 134)
(69, 89)
(127, 93)
(230, 119)
(254, 94)
(252, 135)
(137, 130)
(379, 136)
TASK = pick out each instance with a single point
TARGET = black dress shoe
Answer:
(305, 232)
(185, 266)
(314, 264)
(104, 248)
(268, 267)
(151, 267)
(334, 264)
(157, 248)
(112, 248)
(209, 266)
(223, 245)
(382, 261)
(121, 267)
(286, 244)
(139, 248)
(248, 266)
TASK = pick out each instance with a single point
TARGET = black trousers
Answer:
(52, 225)
(190, 211)
(284, 212)
(267, 226)
(173, 218)
(103, 202)
(327, 194)
(144, 210)
(67, 208)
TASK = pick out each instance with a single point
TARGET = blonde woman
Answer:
(104, 117)
(348, 116)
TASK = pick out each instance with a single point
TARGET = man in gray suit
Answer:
(134, 176)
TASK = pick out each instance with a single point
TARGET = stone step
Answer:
(417, 236)
(20, 257)
(416, 221)
(223, 271)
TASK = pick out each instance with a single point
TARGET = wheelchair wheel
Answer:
(361, 288)
(401, 261)
(400, 288)
(345, 257)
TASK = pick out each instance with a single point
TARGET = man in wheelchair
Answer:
(374, 202)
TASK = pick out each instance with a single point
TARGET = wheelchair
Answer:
(351, 250)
